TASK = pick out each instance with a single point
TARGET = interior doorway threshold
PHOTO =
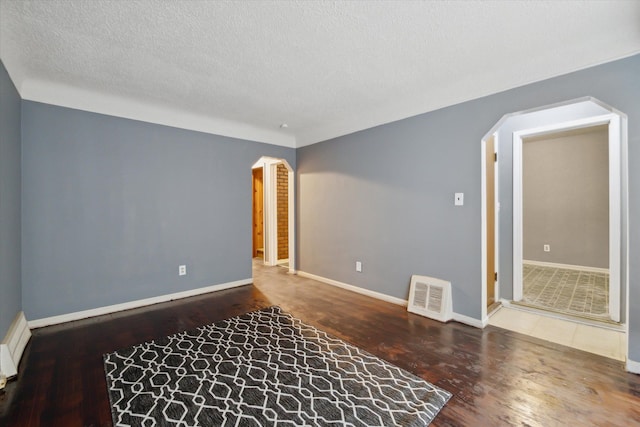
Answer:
(598, 340)
(584, 320)
(493, 308)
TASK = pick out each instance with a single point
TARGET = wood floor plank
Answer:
(497, 377)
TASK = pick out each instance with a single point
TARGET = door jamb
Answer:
(483, 217)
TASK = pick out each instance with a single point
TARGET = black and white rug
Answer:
(264, 368)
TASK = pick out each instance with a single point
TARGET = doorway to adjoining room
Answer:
(554, 225)
(272, 212)
(565, 200)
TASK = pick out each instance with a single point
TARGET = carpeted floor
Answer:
(574, 292)
(263, 368)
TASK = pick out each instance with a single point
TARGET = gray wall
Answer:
(566, 198)
(112, 206)
(385, 195)
(10, 272)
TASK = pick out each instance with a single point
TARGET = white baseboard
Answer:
(566, 266)
(13, 345)
(388, 298)
(505, 302)
(53, 320)
(461, 318)
(352, 288)
(633, 367)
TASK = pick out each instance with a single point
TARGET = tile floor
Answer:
(605, 342)
(576, 292)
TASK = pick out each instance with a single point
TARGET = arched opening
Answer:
(503, 225)
(273, 224)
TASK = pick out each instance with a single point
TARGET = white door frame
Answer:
(290, 213)
(615, 208)
(270, 220)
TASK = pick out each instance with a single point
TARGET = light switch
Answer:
(459, 199)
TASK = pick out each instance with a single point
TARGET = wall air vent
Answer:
(431, 298)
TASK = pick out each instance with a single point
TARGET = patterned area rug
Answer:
(264, 368)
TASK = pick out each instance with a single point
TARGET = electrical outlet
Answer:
(358, 266)
(547, 248)
(182, 270)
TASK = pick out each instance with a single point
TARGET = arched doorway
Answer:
(506, 213)
(273, 226)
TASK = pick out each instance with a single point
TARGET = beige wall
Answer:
(566, 198)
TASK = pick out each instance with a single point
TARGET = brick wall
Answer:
(282, 206)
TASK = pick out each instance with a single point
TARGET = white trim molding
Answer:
(270, 212)
(633, 367)
(78, 315)
(356, 289)
(461, 318)
(128, 108)
(470, 321)
(13, 345)
(483, 228)
(566, 266)
(505, 302)
(291, 177)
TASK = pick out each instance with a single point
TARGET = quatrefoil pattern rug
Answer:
(264, 368)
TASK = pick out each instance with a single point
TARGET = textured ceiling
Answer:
(241, 68)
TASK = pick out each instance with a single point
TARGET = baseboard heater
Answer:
(430, 297)
(13, 345)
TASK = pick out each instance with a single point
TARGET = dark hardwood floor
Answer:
(497, 377)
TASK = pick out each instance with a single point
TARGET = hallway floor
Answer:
(598, 340)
